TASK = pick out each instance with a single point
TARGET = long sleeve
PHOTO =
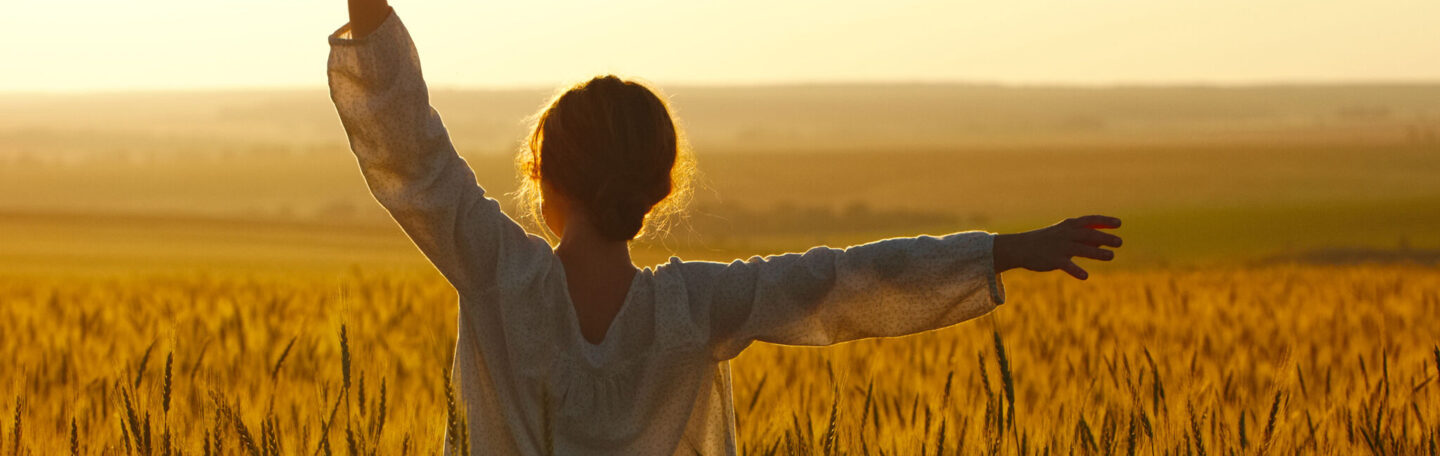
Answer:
(410, 164)
(825, 296)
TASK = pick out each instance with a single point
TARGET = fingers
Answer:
(1092, 252)
(1097, 238)
(1084, 251)
(1097, 221)
(1074, 270)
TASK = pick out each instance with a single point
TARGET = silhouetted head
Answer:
(609, 148)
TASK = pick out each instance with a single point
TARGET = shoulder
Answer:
(525, 262)
(675, 265)
(699, 285)
(698, 273)
(687, 283)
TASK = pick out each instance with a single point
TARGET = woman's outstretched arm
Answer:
(887, 288)
(408, 161)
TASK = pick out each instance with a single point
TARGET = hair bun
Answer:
(619, 209)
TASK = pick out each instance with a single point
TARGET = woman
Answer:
(574, 350)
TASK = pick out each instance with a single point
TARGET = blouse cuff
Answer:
(387, 28)
(997, 287)
(378, 58)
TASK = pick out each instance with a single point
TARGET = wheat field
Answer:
(1247, 360)
(205, 273)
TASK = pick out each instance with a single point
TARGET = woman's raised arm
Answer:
(404, 152)
(366, 16)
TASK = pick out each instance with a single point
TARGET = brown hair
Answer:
(610, 146)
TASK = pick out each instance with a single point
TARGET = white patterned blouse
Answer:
(659, 382)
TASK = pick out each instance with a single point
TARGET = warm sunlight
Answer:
(744, 227)
(168, 44)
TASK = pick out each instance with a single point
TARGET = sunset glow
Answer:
(71, 45)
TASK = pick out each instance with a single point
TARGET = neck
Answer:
(598, 274)
(584, 248)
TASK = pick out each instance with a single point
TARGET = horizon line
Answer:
(1377, 82)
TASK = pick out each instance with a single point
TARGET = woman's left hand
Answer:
(1055, 246)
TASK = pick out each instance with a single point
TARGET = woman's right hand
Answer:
(366, 16)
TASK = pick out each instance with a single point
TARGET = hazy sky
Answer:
(68, 45)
